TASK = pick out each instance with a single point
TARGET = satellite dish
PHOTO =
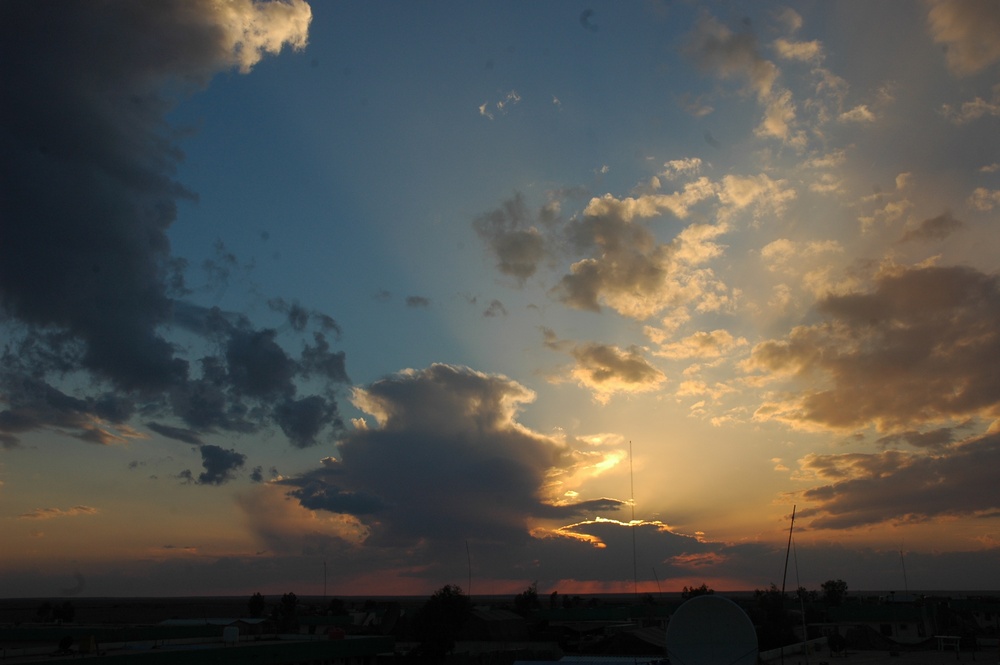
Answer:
(711, 630)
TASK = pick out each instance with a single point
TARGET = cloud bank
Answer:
(88, 284)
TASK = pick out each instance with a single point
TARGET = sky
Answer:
(367, 298)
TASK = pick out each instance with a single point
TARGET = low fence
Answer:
(812, 646)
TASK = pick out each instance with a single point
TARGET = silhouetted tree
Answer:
(285, 613)
(439, 622)
(44, 612)
(773, 625)
(834, 592)
(527, 600)
(554, 600)
(691, 592)
(255, 606)
(64, 613)
(337, 608)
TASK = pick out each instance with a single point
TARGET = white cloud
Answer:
(860, 113)
(699, 388)
(779, 114)
(974, 110)
(651, 205)
(791, 18)
(702, 344)
(669, 324)
(761, 192)
(827, 184)
(259, 28)
(780, 253)
(828, 160)
(696, 106)
(970, 30)
(679, 167)
(984, 200)
(510, 99)
(804, 51)
(891, 212)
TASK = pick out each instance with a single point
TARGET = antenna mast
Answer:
(785, 574)
(468, 554)
(906, 586)
(631, 480)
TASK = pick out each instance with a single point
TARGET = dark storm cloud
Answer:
(220, 465)
(320, 361)
(206, 404)
(935, 228)
(579, 550)
(919, 347)
(580, 508)
(257, 474)
(445, 461)
(417, 301)
(34, 404)
(89, 161)
(302, 420)
(176, 433)
(935, 438)
(496, 308)
(258, 366)
(511, 233)
(87, 279)
(299, 317)
(254, 380)
(900, 487)
(318, 490)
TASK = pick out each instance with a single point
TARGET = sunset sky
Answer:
(425, 291)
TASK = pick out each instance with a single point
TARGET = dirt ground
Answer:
(903, 658)
(127, 610)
